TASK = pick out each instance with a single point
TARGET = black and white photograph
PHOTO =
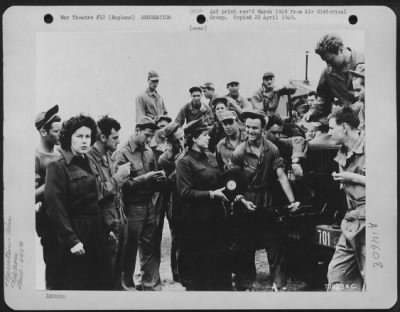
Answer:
(200, 157)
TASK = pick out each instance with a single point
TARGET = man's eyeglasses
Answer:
(228, 122)
(156, 81)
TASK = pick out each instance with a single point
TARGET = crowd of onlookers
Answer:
(101, 206)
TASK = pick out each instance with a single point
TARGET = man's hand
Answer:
(348, 177)
(124, 171)
(78, 249)
(248, 204)
(155, 176)
(297, 170)
(307, 116)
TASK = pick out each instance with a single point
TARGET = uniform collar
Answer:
(98, 156)
(197, 155)
(151, 93)
(133, 146)
(69, 157)
(202, 107)
(242, 138)
(264, 146)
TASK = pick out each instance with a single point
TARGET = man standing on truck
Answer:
(336, 79)
(346, 270)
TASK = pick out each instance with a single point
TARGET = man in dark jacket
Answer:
(109, 182)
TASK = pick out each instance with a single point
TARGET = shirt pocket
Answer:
(79, 182)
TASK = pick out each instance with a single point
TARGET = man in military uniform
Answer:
(150, 103)
(109, 182)
(48, 125)
(138, 192)
(236, 102)
(336, 78)
(346, 270)
(261, 163)
(158, 143)
(267, 97)
(170, 208)
(209, 92)
(233, 137)
(195, 109)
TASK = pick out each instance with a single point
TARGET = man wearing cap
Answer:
(233, 137)
(236, 102)
(336, 78)
(109, 182)
(174, 135)
(48, 125)
(219, 105)
(209, 92)
(267, 97)
(195, 109)
(261, 163)
(150, 103)
(138, 192)
(158, 143)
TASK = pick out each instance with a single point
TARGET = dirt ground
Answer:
(263, 282)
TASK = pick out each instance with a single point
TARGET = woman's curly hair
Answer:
(74, 123)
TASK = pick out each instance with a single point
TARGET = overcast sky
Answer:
(102, 73)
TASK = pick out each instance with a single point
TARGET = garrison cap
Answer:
(45, 117)
(161, 118)
(195, 89)
(223, 100)
(208, 85)
(170, 129)
(228, 115)
(254, 113)
(232, 82)
(153, 75)
(195, 126)
(147, 122)
(268, 74)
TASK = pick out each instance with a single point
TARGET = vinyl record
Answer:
(235, 183)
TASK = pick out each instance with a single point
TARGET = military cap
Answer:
(196, 125)
(223, 100)
(268, 74)
(228, 114)
(195, 89)
(44, 118)
(153, 75)
(170, 129)
(208, 85)
(253, 113)
(161, 118)
(359, 71)
(232, 82)
(147, 122)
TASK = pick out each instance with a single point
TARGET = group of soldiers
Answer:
(174, 169)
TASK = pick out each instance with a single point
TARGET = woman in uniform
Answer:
(71, 194)
(204, 246)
